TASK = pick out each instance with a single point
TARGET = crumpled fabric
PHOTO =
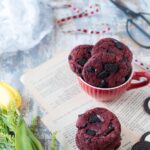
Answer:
(23, 23)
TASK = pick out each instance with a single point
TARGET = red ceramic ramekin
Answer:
(110, 94)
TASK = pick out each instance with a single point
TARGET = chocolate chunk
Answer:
(91, 69)
(82, 77)
(81, 61)
(94, 119)
(79, 70)
(147, 105)
(112, 68)
(146, 137)
(89, 49)
(142, 145)
(103, 84)
(127, 77)
(103, 74)
(91, 132)
(118, 45)
(70, 57)
(109, 130)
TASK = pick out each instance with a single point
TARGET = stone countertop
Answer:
(14, 64)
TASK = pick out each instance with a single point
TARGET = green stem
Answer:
(34, 140)
(22, 141)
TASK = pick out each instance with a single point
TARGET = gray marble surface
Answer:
(14, 64)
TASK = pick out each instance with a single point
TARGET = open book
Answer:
(56, 89)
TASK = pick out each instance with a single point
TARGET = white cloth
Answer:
(23, 23)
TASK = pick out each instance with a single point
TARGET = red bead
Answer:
(74, 17)
(63, 20)
(84, 30)
(92, 12)
(142, 64)
(80, 15)
(68, 18)
(92, 32)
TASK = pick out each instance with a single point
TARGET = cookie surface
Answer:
(105, 65)
(113, 46)
(98, 129)
(105, 71)
(78, 57)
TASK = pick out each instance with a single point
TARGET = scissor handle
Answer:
(125, 9)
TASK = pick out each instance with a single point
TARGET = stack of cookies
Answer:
(107, 64)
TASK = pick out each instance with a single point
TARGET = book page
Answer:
(52, 83)
(63, 120)
(56, 89)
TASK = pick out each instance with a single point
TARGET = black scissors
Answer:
(131, 17)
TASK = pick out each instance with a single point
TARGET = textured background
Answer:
(14, 64)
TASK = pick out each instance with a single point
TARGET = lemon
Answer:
(8, 94)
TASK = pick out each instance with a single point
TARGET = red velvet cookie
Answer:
(98, 129)
(105, 71)
(110, 45)
(78, 57)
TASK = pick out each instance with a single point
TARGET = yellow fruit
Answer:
(7, 95)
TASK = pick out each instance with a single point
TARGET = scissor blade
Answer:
(144, 18)
(125, 9)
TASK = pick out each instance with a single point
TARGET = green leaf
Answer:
(22, 140)
(14, 132)
(54, 142)
(8, 123)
